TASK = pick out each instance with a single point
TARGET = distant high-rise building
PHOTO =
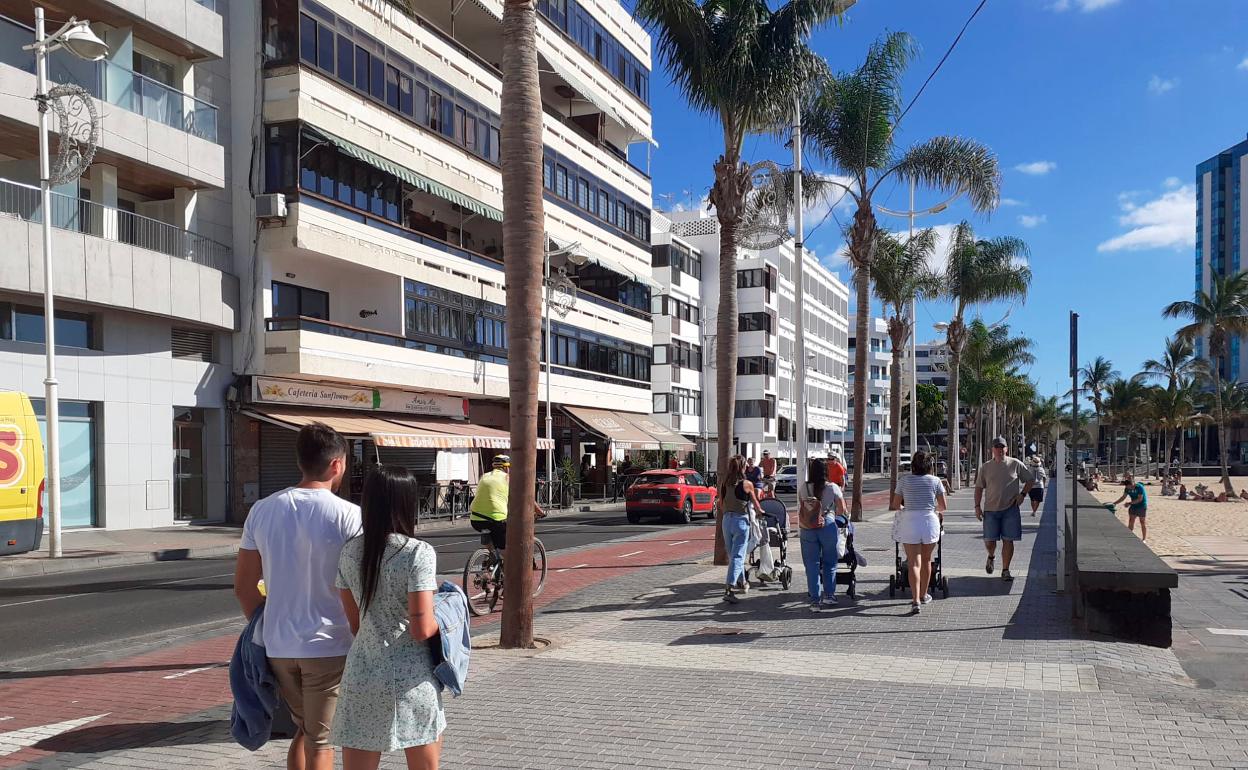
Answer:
(1219, 247)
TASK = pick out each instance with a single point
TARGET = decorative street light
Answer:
(560, 295)
(77, 140)
(914, 369)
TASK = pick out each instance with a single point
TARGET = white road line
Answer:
(5, 719)
(11, 743)
(188, 672)
(678, 542)
(626, 555)
(1229, 631)
(114, 590)
(565, 569)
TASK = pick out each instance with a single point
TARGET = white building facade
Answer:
(879, 364)
(678, 363)
(765, 410)
(378, 235)
(145, 287)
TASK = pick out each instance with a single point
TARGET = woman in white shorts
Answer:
(921, 498)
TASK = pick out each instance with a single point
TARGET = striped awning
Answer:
(421, 440)
(415, 179)
(481, 436)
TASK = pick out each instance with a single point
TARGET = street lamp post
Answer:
(76, 37)
(574, 257)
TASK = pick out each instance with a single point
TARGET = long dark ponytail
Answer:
(817, 475)
(388, 506)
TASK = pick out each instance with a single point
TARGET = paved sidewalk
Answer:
(649, 669)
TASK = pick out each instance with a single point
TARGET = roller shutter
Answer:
(278, 466)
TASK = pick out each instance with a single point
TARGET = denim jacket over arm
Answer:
(450, 607)
(254, 687)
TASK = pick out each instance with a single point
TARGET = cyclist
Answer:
(488, 512)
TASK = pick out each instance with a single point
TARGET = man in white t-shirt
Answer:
(293, 539)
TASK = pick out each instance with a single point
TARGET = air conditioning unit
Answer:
(271, 206)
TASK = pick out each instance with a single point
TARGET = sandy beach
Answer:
(1174, 524)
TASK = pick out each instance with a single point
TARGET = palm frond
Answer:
(953, 164)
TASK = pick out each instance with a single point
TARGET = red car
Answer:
(672, 495)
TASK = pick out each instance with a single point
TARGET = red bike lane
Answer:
(111, 705)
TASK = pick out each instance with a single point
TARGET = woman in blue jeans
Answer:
(819, 552)
(738, 501)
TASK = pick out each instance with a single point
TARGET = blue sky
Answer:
(1099, 111)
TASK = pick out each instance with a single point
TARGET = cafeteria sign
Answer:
(276, 391)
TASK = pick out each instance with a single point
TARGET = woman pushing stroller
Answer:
(920, 497)
(821, 516)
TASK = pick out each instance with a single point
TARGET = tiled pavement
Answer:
(649, 669)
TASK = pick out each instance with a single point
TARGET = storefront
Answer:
(428, 433)
(623, 433)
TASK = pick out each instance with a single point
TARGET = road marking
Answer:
(5, 719)
(565, 569)
(1228, 631)
(188, 672)
(115, 590)
(626, 555)
(678, 542)
(11, 743)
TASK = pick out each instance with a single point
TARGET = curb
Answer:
(46, 566)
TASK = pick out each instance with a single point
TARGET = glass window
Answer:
(548, 174)
(325, 48)
(660, 403)
(582, 193)
(561, 181)
(73, 330)
(435, 111)
(392, 87)
(290, 301)
(346, 59)
(77, 439)
(307, 39)
(362, 67)
(377, 79)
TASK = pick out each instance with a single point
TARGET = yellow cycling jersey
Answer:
(491, 500)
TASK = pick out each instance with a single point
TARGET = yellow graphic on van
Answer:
(12, 460)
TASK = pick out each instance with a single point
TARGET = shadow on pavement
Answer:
(57, 672)
(1041, 612)
(139, 735)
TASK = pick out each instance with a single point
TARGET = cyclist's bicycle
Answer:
(483, 576)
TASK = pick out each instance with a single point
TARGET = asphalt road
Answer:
(89, 612)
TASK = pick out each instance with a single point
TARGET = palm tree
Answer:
(989, 375)
(1096, 378)
(1173, 408)
(1216, 316)
(1176, 362)
(901, 275)
(1043, 418)
(850, 125)
(744, 64)
(523, 242)
(978, 271)
(1123, 402)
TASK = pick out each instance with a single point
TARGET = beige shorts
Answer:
(310, 688)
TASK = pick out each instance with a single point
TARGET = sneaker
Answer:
(914, 609)
(730, 597)
(829, 601)
(815, 606)
(1006, 576)
(927, 598)
(988, 565)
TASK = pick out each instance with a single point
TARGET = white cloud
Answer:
(1243, 65)
(1160, 85)
(1012, 202)
(1087, 6)
(1173, 183)
(1032, 220)
(839, 259)
(1165, 222)
(1036, 167)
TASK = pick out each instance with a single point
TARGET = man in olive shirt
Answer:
(1000, 488)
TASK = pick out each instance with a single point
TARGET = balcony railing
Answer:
(209, 4)
(113, 84)
(91, 218)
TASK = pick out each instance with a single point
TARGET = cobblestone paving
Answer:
(651, 670)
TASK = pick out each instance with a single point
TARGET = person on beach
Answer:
(292, 539)
(1000, 488)
(920, 497)
(1138, 508)
(1037, 492)
(819, 533)
(738, 500)
(390, 700)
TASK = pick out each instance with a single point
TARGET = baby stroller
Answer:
(900, 580)
(775, 521)
(847, 567)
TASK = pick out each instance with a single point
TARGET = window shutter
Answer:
(192, 344)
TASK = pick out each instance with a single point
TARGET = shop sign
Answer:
(276, 391)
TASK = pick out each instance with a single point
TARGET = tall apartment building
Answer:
(145, 286)
(1220, 247)
(375, 301)
(879, 387)
(677, 366)
(765, 413)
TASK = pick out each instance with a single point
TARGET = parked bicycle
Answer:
(483, 575)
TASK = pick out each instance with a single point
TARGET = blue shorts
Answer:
(1003, 525)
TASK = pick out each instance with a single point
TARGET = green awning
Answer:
(419, 181)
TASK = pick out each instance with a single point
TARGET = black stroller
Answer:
(900, 580)
(775, 520)
(847, 567)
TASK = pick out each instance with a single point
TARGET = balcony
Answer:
(312, 347)
(116, 258)
(192, 29)
(113, 84)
